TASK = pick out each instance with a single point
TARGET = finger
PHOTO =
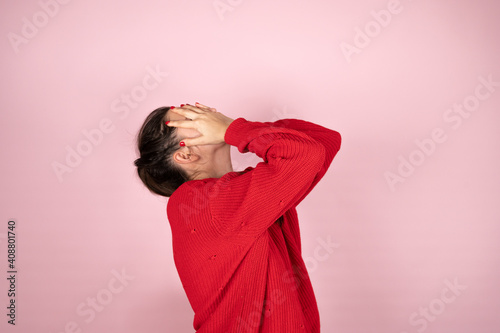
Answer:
(186, 112)
(201, 105)
(181, 124)
(192, 108)
(197, 141)
(206, 107)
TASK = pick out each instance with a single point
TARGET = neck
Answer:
(220, 163)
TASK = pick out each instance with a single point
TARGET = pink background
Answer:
(395, 248)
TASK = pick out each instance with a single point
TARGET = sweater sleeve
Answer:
(294, 160)
(330, 139)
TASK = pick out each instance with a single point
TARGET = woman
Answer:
(235, 235)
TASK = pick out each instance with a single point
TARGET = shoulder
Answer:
(185, 190)
(196, 190)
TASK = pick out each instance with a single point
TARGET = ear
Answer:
(183, 156)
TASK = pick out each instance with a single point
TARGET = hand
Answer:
(211, 124)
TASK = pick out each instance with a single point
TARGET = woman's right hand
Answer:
(211, 124)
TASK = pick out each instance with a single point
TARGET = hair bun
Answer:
(139, 163)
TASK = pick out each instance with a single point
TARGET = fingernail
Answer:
(166, 123)
(182, 144)
(182, 105)
(172, 107)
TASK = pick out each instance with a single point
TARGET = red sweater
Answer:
(236, 239)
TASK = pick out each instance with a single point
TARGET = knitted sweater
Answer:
(236, 240)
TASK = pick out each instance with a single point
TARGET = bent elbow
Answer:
(317, 157)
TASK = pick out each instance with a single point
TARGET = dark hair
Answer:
(157, 142)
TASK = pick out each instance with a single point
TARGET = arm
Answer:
(293, 163)
(330, 139)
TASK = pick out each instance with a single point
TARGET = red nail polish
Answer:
(172, 107)
(166, 123)
(182, 105)
(182, 144)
